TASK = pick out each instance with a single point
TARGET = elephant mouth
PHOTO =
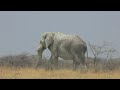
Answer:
(40, 49)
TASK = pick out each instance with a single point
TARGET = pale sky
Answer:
(20, 31)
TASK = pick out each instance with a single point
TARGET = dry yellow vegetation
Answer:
(31, 73)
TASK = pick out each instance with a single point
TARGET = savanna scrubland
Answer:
(23, 67)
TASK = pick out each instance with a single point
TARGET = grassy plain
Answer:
(31, 73)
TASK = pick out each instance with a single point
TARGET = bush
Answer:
(24, 60)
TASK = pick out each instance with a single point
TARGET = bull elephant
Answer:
(67, 47)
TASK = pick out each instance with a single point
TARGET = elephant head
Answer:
(47, 39)
(45, 42)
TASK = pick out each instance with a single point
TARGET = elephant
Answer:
(65, 46)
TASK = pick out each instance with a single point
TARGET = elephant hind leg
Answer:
(76, 62)
(75, 65)
(79, 59)
(83, 62)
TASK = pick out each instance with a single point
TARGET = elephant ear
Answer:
(48, 40)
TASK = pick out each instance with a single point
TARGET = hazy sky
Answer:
(20, 31)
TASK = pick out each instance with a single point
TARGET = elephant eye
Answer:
(40, 41)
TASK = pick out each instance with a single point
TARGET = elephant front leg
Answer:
(53, 63)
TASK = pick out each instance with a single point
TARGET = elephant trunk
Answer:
(40, 51)
(40, 56)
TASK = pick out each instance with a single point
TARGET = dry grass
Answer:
(31, 73)
(23, 67)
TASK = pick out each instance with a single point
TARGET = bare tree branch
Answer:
(104, 49)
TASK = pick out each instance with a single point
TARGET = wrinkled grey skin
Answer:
(68, 47)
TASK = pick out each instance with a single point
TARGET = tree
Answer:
(104, 49)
